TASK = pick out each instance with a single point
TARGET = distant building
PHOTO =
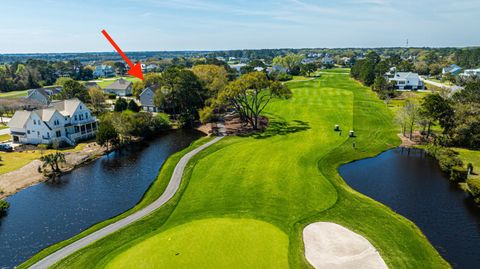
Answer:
(276, 69)
(407, 81)
(103, 71)
(146, 99)
(309, 60)
(237, 66)
(42, 95)
(151, 68)
(91, 84)
(120, 87)
(327, 59)
(66, 121)
(471, 73)
(258, 68)
(452, 69)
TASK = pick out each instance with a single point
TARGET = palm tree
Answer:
(59, 158)
(48, 160)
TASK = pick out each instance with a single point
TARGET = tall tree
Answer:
(73, 89)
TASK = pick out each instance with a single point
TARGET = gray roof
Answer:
(19, 119)
(405, 75)
(66, 107)
(91, 84)
(120, 84)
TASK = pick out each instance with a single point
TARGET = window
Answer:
(77, 129)
(75, 117)
(86, 115)
(58, 133)
(34, 122)
(28, 131)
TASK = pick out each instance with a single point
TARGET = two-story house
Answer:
(146, 99)
(42, 95)
(407, 81)
(104, 71)
(66, 121)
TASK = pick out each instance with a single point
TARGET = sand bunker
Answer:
(329, 245)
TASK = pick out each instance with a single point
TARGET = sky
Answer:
(38, 26)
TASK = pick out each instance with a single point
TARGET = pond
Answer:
(48, 213)
(412, 184)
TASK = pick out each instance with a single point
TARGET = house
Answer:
(452, 69)
(276, 69)
(120, 87)
(471, 73)
(258, 68)
(104, 71)
(237, 67)
(151, 68)
(67, 121)
(91, 84)
(406, 81)
(327, 59)
(146, 100)
(42, 95)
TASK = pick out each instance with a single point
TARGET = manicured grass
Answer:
(13, 94)
(287, 177)
(4, 137)
(470, 156)
(210, 243)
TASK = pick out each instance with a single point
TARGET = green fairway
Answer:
(286, 176)
(103, 83)
(13, 94)
(211, 243)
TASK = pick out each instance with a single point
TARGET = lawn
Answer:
(13, 94)
(4, 137)
(284, 178)
(14, 160)
(470, 156)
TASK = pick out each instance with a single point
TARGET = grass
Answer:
(13, 94)
(470, 156)
(14, 160)
(286, 177)
(4, 137)
(178, 248)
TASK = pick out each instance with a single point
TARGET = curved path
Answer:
(169, 192)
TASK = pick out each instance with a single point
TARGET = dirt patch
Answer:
(329, 245)
(28, 175)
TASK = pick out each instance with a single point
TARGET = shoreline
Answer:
(20, 179)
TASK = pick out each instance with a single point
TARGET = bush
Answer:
(4, 205)
(474, 187)
(447, 158)
(161, 122)
(112, 96)
(458, 174)
(284, 77)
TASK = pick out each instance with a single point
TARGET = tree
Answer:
(250, 94)
(106, 134)
(137, 88)
(4, 205)
(53, 161)
(132, 106)
(412, 113)
(405, 66)
(291, 62)
(120, 105)
(214, 77)
(62, 80)
(97, 99)
(73, 89)
(436, 108)
(308, 69)
(152, 79)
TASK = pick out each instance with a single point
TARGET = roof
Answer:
(90, 84)
(120, 84)
(66, 107)
(405, 75)
(147, 89)
(452, 68)
(40, 91)
(19, 119)
(45, 114)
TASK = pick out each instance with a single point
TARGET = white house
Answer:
(104, 71)
(67, 121)
(120, 87)
(452, 69)
(146, 99)
(471, 73)
(407, 81)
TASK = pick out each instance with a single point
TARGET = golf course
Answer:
(244, 201)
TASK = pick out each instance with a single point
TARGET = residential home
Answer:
(42, 95)
(146, 100)
(471, 73)
(276, 69)
(151, 68)
(104, 71)
(91, 84)
(452, 69)
(327, 59)
(237, 67)
(407, 81)
(67, 121)
(120, 87)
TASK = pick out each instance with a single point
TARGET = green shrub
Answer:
(447, 158)
(474, 187)
(4, 205)
(458, 174)
(112, 96)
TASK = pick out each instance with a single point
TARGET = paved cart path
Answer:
(170, 191)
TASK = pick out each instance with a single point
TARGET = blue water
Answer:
(413, 185)
(47, 213)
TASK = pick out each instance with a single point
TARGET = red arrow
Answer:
(135, 69)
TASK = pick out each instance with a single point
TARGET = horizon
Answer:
(49, 26)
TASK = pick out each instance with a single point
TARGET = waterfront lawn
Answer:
(12, 161)
(470, 156)
(286, 176)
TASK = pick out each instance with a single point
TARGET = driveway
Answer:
(4, 131)
(170, 191)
